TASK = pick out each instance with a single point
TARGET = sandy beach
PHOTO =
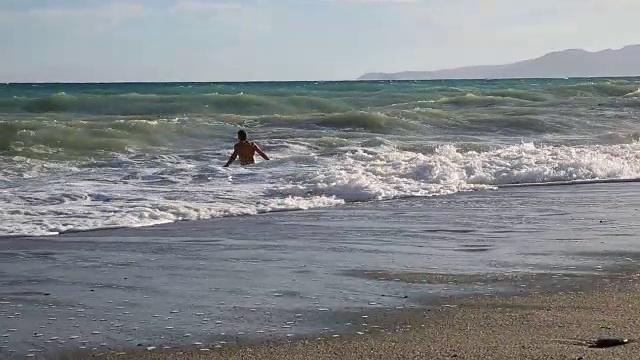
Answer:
(512, 274)
(533, 326)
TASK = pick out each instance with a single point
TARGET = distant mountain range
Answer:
(557, 64)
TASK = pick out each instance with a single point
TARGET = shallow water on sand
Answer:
(292, 273)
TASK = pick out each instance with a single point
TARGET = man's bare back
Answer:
(245, 150)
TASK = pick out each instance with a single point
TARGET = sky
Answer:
(245, 40)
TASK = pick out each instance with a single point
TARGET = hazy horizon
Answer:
(291, 81)
(311, 40)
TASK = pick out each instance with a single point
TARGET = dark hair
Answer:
(242, 135)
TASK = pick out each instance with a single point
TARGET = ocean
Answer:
(120, 229)
(90, 156)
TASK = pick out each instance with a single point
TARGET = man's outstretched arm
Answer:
(260, 152)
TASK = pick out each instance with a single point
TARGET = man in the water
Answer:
(246, 150)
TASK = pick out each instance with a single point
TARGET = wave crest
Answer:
(150, 190)
(387, 173)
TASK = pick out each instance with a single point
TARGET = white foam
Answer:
(41, 199)
(383, 173)
(386, 173)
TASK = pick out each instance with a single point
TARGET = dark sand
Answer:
(534, 325)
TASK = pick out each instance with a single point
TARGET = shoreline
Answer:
(531, 325)
(308, 274)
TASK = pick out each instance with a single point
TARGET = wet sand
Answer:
(529, 326)
(316, 274)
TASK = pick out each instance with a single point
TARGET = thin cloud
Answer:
(200, 6)
(376, 1)
(112, 13)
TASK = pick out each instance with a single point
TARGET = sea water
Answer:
(89, 156)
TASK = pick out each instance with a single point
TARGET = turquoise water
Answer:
(86, 118)
(86, 156)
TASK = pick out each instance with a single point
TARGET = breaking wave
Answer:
(80, 157)
(296, 98)
(146, 191)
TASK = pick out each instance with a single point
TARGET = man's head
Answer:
(242, 135)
